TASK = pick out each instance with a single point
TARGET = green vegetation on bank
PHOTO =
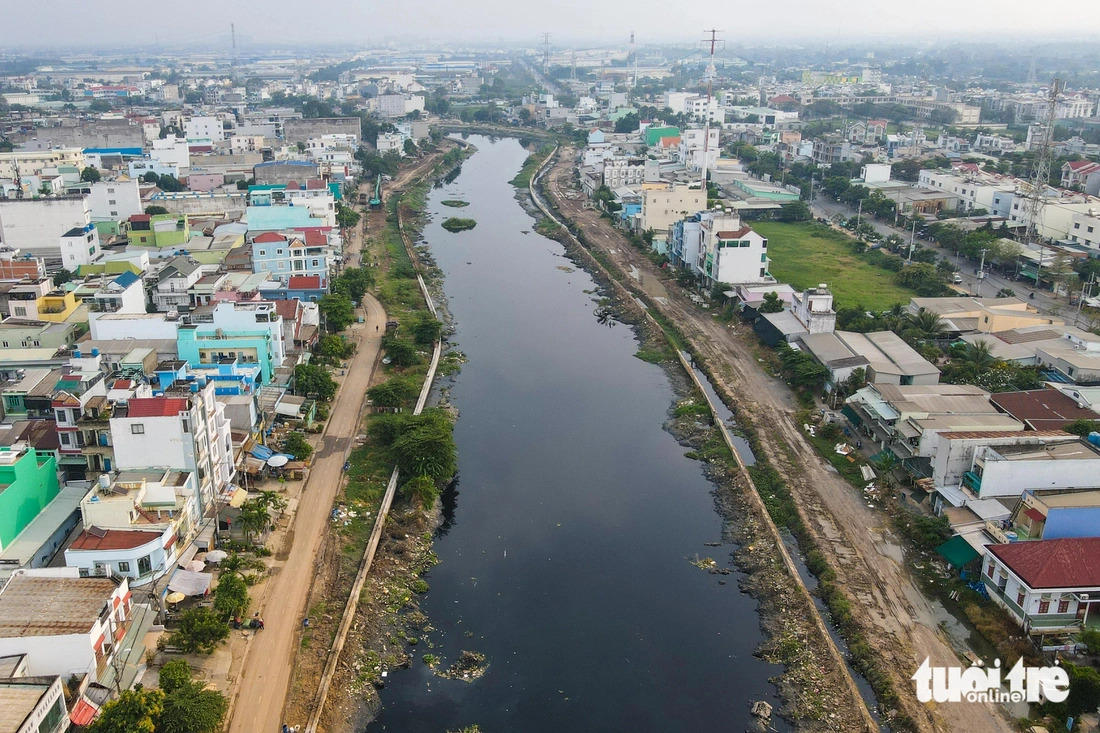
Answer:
(534, 160)
(457, 224)
(455, 203)
(806, 254)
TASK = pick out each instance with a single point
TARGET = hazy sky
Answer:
(126, 23)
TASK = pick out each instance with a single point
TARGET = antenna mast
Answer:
(1040, 176)
(634, 58)
(710, 73)
(545, 53)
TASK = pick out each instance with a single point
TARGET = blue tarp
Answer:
(262, 452)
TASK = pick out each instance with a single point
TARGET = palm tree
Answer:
(978, 356)
(926, 324)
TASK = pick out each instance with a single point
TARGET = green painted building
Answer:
(159, 230)
(653, 135)
(28, 482)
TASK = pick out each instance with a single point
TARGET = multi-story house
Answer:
(180, 429)
(1075, 172)
(285, 257)
(623, 171)
(731, 252)
(174, 282)
(661, 207)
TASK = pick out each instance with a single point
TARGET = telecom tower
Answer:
(1040, 176)
(710, 73)
(545, 53)
(573, 65)
(634, 61)
(233, 60)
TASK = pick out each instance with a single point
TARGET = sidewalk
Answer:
(130, 658)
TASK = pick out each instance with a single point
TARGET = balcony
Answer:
(973, 482)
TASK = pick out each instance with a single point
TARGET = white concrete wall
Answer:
(53, 655)
(36, 225)
(162, 444)
(141, 326)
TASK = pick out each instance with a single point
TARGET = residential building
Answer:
(1042, 409)
(174, 282)
(159, 230)
(954, 455)
(65, 625)
(203, 129)
(1052, 515)
(974, 187)
(1075, 172)
(187, 431)
(124, 293)
(15, 265)
(21, 163)
(883, 355)
(809, 312)
(1048, 585)
(663, 206)
(693, 152)
(985, 315)
(621, 170)
(248, 332)
(390, 142)
(33, 704)
(115, 200)
(1009, 471)
(731, 251)
(79, 246)
(22, 333)
(30, 483)
(171, 151)
(135, 525)
(833, 149)
(906, 419)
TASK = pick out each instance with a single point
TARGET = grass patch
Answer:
(655, 356)
(534, 160)
(455, 203)
(806, 254)
(457, 224)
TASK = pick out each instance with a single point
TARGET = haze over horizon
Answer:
(78, 24)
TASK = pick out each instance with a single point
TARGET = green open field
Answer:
(806, 254)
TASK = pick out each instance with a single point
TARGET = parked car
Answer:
(956, 278)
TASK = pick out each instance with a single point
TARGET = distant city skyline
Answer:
(76, 24)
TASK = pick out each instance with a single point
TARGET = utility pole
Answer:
(981, 275)
(859, 218)
(912, 243)
(634, 61)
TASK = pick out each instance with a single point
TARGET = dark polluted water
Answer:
(566, 555)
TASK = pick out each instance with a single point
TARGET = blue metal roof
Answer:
(126, 279)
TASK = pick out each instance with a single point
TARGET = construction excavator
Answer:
(376, 200)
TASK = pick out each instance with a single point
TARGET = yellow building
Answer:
(31, 162)
(57, 306)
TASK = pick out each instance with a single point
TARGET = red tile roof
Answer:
(1076, 165)
(157, 406)
(315, 184)
(1063, 563)
(270, 237)
(734, 235)
(140, 217)
(114, 539)
(123, 384)
(304, 282)
(83, 713)
(292, 186)
(315, 238)
(288, 309)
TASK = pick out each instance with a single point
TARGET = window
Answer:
(764, 245)
(1063, 606)
(20, 310)
(1020, 598)
(1044, 606)
(111, 202)
(137, 429)
(124, 567)
(763, 258)
(145, 565)
(763, 272)
(1077, 225)
(5, 344)
(51, 721)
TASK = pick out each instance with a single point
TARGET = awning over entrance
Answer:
(958, 551)
(190, 583)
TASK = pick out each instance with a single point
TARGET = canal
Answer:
(566, 554)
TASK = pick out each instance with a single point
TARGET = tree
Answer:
(925, 325)
(922, 278)
(401, 351)
(338, 311)
(772, 303)
(410, 147)
(395, 392)
(426, 329)
(331, 348)
(310, 379)
(135, 711)
(1084, 690)
(627, 123)
(90, 175)
(231, 596)
(166, 182)
(425, 446)
(423, 488)
(296, 445)
(45, 189)
(99, 105)
(199, 631)
(794, 211)
(155, 210)
(978, 356)
(189, 707)
(354, 283)
(61, 277)
(1082, 427)
(150, 177)
(346, 217)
